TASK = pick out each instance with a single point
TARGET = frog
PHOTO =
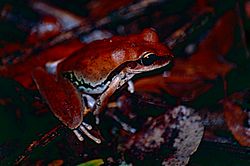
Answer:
(83, 82)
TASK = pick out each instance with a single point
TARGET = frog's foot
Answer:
(88, 103)
(84, 128)
(131, 87)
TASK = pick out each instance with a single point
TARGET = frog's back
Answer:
(95, 62)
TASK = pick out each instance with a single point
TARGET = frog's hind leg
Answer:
(65, 102)
(62, 98)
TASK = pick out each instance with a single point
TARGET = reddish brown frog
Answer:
(85, 80)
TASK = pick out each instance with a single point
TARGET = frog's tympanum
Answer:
(85, 80)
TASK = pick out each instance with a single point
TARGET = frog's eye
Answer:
(148, 59)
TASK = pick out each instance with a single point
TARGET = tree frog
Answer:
(84, 81)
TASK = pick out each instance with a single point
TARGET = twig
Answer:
(44, 140)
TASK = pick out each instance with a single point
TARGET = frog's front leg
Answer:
(102, 101)
(65, 102)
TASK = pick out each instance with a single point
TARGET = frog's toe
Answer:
(84, 129)
(78, 135)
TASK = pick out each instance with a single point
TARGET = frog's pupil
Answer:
(148, 59)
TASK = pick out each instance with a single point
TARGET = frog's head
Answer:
(149, 53)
